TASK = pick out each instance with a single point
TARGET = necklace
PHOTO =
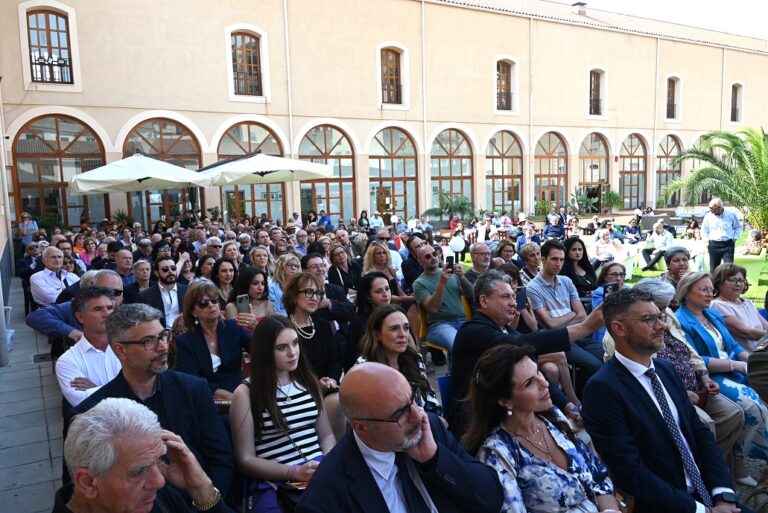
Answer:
(703, 318)
(286, 395)
(542, 446)
(305, 334)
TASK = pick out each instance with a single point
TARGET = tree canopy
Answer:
(732, 166)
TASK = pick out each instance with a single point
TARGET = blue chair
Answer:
(444, 384)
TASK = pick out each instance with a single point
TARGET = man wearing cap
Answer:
(144, 251)
(376, 221)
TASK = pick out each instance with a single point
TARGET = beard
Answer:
(413, 439)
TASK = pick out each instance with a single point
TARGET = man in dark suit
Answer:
(643, 424)
(495, 309)
(183, 403)
(167, 295)
(396, 457)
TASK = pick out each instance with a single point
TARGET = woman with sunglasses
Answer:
(253, 283)
(223, 275)
(343, 271)
(388, 340)
(26, 228)
(726, 363)
(285, 267)
(741, 316)
(611, 273)
(542, 465)
(211, 348)
(89, 251)
(280, 429)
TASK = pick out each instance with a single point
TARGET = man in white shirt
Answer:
(47, 284)
(90, 363)
(644, 426)
(167, 295)
(397, 457)
(662, 240)
(376, 221)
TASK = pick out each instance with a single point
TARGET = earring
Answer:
(196, 321)
(509, 412)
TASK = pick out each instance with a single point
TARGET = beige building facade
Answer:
(507, 102)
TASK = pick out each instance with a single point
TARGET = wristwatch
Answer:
(726, 497)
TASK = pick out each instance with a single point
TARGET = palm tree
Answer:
(448, 206)
(731, 165)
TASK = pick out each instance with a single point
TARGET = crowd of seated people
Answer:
(187, 322)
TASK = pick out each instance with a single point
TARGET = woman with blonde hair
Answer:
(285, 266)
(261, 258)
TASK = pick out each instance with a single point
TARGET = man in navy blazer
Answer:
(183, 403)
(167, 295)
(622, 416)
(362, 472)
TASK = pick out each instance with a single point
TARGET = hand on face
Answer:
(426, 448)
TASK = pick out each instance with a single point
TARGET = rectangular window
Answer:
(671, 105)
(246, 64)
(735, 101)
(503, 86)
(391, 87)
(49, 48)
(595, 102)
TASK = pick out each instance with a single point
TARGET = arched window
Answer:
(597, 92)
(393, 167)
(246, 64)
(50, 51)
(327, 144)
(391, 82)
(174, 143)
(503, 85)
(633, 163)
(593, 164)
(451, 162)
(255, 199)
(550, 171)
(667, 170)
(673, 98)
(47, 153)
(504, 173)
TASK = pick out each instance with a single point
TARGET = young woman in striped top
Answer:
(279, 427)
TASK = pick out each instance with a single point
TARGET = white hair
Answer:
(662, 291)
(93, 436)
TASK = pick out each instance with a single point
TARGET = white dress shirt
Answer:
(170, 303)
(638, 371)
(45, 286)
(85, 361)
(384, 471)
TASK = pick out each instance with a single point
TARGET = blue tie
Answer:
(690, 466)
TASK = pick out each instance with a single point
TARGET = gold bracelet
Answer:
(211, 503)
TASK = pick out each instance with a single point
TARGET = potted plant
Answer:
(448, 206)
(122, 218)
(612, 201)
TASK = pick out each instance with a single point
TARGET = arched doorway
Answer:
(393, 166)
(451, 162)
(504, 173)
(551, 170)
(47, 153)
(174, 143)
(667, 170)
(256, 199)
(634, 162)
(593, 167)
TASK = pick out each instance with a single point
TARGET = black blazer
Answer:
(456, 481)
(152, 297)
(629, 433)
(477, 336)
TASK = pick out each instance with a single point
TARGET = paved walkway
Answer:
(30, 421)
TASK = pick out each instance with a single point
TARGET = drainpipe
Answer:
(4, 360)
(426, 173)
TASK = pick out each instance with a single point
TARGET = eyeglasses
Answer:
(706, 290)
(33, 246)
(400, 413)
(292, 266)
(316, 267)
(151, 343)
(487, 254)
(166, 248)
(310, 293)
(429, 255)
(736, 281)
(650, 320)
(384, 239)
(166, 269)
(117, 292)
(616, 275)
(205, 303)
(214, 245)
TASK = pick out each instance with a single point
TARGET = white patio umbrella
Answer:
(138, 172)
(260, 168)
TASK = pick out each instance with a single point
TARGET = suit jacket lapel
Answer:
(362, 485)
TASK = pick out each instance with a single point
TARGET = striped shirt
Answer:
(300, 443)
